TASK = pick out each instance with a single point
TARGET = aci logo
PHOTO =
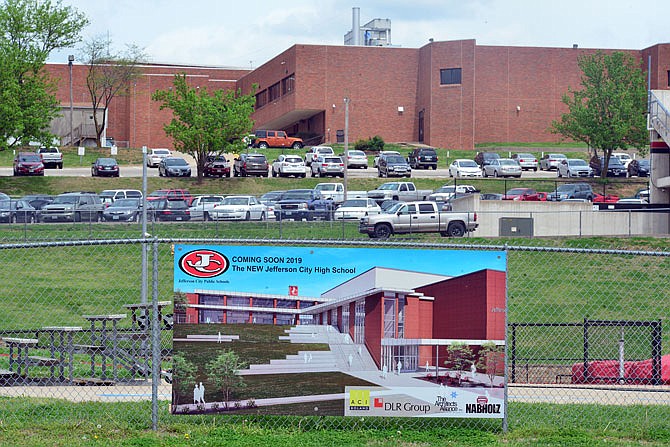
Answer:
(359, 399)
(203, 263)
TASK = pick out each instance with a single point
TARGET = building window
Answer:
(449, 76)
(273, 92)
(668, 78)
(261, 99)
(288, 84)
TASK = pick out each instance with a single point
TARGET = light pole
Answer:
(346, 146)
(70, 59)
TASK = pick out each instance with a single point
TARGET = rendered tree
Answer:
(222, 372)
(109, 75)
(459, 357)
(183, 377)
(491, 360)
(609, 112)
(205, 124)
(29, 32)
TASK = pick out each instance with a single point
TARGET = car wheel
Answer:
(451, 174)
(247, 216)
(312, 173)
(379, 173)
(303, 175)
(296, 145)
(383, 231)
(60, 165)
(484, 173)
(456, 229)
(263, 216)
(274, 173)
(77, 217)
(262, 145)
(559, 175)
(495, 174)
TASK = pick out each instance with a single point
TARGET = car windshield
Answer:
(491, 156)
(393, 209)
(65, 199)
(615, 162)
(387, 186)
(50, 150)
(293, 159)
(446, 189)
(175, 162)
(325, 150)
(211, 199)
(236, 201)
(125, 203)
(325, 187)
(273, 195)
(355, 203)
(395, 159)
(158, 194)
(259, 159)
(297, 195)
(507, 162)
(356, 154)
(106, 161)
(644, 162)
(468, 164)
(519, 191)
(332, 160)
(525, 156)
(161, 152)
(566, 188)
(30, 158)
(216, 159)
(577, 162)
(176, 204)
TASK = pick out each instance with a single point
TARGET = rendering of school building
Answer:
(450, 94)
(397, 315)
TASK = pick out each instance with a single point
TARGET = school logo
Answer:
(359, 399)
(203, 263)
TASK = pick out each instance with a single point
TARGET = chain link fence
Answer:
(587, 321)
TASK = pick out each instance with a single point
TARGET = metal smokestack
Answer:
(356, 25)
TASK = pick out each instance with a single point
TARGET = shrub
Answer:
(374, 144)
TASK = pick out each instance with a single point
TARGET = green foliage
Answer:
(183, 375)
(30, 31)
(374, 144)
(205, 123)
(491, 360)
(460, 357)
(609, 112)
(222, 372)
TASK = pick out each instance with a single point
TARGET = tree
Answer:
(222, 372)
(491, 360)
(109, 75)
(609, 112)
(183, 377)
(29, 32)
(205, 124)
(459, 356)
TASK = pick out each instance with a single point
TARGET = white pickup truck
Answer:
(403, 191)
(335, 192)
(51, 157)
(418, 217)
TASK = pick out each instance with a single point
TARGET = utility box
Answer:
(515, 226)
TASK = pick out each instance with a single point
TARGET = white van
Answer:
(110, 195)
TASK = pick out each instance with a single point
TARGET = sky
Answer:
(246, 34)
(322, 268)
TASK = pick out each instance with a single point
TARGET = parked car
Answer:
(490, 196)
(551, 161)
(37, 201)
(623, 157)
(51, 157)
(287, 165)
(105, 167)
(73, 207)
(464, 168)
(303, 204)
(502, 167)
(17, 211)
(355, 159)
(115, 194)
(165, 209)
(614, 168)
(571, 191)
(423, 158)
(525, 160)
(156, 155)
(216, 166)
(327, 166)
(393, 165)
(609, 198)
(445, 192)
(275, 138)
(375, 161)
(200, 206)
(174, 167)
(28, 163)
(354, 209)
(123, 210)
(250, 164)
(314, 153)
(484, 158)
(519, 193)
(269, 199)
(172, 194)
(239, 208)
(639, 168)
(574, 167)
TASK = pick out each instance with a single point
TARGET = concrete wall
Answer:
(559, 218)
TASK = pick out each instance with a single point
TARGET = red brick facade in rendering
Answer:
(451, 94)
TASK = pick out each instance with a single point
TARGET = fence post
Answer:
(155, 340)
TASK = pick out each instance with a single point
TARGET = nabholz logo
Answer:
(203, 263)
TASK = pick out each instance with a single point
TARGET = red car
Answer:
(217, 166)
(519, 194)
(28, 163)
(609, 198)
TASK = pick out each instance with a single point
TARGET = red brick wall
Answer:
(374, 329)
